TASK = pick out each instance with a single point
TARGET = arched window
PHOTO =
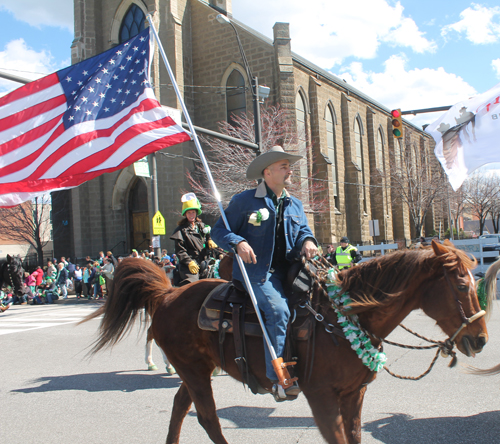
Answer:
(397, 154)
(300, 109)
(236, 103)
(359, 159)
(332, 151)
(133, 23)
(380, 150)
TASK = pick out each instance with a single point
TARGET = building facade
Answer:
(347, 134)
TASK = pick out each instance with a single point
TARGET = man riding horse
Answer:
(269, 229)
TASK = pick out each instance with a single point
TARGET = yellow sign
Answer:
(158, 224)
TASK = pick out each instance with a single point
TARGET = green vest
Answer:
(344, 257)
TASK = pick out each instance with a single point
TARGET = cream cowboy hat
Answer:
(260, 163)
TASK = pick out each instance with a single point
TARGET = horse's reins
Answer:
(445, 347)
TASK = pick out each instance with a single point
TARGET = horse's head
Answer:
(450, 298)
(15, 274)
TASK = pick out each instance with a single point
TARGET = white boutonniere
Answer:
(207, 229)
(257, 217)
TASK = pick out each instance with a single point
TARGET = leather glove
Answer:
(211, 244)
(193, 267)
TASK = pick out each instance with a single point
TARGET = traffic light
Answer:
(397, 124)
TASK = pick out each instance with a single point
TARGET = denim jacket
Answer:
(261, 238)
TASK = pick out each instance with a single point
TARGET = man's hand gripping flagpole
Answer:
(278, 364)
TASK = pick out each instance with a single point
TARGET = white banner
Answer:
(468, 135)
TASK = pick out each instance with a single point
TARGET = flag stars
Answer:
(68, 79)
(108, 86)
(113, 100)
(127, 92)
(91, 89)
(88, 112)
(129, 58)
(122, 102)
(119, 53)
(135, 48)
(142, 39)
(105, 71)
(95, 103)
(122, 67)
(115, 77)
(77, 108)
(97, 80)
(106, 110)
(133, 82)
(85, 73)
(102, 95)
(143, 52)
(84, 99)
(119, 91)
(125, 80)
(71, 118)
(131, 71)
(79, 83)
(111, 62)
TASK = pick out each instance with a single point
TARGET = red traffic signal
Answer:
(397, 123)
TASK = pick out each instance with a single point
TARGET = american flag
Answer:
(97, 116)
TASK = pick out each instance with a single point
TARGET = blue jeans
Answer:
(271, 299)
(64, 290)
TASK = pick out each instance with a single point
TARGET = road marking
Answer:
(20, 319)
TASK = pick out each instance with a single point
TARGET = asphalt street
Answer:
(50, 392)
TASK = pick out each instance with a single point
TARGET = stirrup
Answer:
(280, 394)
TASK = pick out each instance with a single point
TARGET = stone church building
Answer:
(348, 135)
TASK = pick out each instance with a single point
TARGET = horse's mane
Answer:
(382, 280)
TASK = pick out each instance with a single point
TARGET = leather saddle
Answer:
(230, 301)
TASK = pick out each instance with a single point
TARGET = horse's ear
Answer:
(448, 243)
(9, 258)
(438, 248)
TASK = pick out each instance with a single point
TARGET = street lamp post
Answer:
(254, 82)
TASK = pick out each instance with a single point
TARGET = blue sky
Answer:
(405, 54)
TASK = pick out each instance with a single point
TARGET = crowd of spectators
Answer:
(88, 278)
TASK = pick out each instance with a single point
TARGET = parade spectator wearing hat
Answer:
(268, 230)
(192, 238)
(345, 255)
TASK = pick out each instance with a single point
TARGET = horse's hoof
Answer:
(152, 367)
(170, 369)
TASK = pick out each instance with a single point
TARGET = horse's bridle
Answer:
(465, 320)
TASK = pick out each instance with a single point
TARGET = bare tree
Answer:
(228, 161)
(416, 181)
(495, 216)
(28, 223)
(458, 204)
(481, 193)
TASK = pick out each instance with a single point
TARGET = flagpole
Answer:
(213, 186)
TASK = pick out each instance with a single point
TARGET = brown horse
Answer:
(384, 291)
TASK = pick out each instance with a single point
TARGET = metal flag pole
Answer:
(277, 362)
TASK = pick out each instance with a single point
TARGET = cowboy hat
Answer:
(260, 163)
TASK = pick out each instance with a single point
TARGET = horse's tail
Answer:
(137, 284)
(484, 372)
(490, 286)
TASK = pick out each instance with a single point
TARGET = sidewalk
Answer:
(73, 300)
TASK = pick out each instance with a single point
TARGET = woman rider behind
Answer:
(191, 236)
